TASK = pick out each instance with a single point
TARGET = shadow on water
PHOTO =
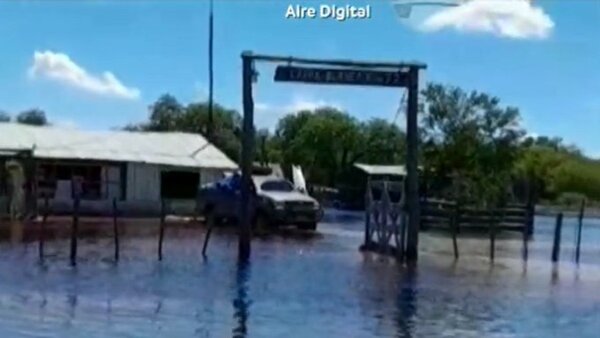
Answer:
(241, 302)
(407, 302)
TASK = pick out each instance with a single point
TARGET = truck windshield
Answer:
(278, 185)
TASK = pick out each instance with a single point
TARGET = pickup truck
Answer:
(277, 203)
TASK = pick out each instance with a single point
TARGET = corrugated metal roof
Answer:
(172, 148)
(395, 170)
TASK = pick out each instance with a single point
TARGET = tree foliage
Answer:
(472, 137)
(4, 117)
(34, 117)
(558, 169)
(167, 114)
(327, 142)
(464, 135)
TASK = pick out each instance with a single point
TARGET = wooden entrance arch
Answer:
(336, 72)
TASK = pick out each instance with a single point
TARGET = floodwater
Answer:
(299, 285)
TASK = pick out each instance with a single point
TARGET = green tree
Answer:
(226, 126)
(327, 142)
(470, 136)
(324, 142)
(34, 117)
(167, 114)
(267, 147)
(537, 165)
(554, 143)
(4, 117)
(383, 143)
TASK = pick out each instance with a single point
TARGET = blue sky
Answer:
(99, 64)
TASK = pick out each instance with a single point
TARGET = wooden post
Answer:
(403, 225)
(161, 233)
(492, 224)
(75, 229)
(525, 240)
(531, 192)
(455, 221)
(557, 234)
(209, 219)
(247, 157)
(529, 218)
(206, 239)
(412, 153)
(579, 229)
(368, 201)
(42, 234)
(115, 229)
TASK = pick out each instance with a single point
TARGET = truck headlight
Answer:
(316, 206)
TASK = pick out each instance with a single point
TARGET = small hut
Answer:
(352, 196)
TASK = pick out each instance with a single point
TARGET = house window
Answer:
(179, 184)
(89, 175)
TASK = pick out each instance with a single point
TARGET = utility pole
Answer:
(209, 124)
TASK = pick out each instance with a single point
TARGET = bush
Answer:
(570, 199)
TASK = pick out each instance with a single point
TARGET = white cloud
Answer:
(517, 19)
(267, 115)
(60, 68)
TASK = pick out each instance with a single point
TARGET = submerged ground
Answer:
(302, 286)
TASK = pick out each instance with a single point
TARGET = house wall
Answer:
(111, 177)
(143, 182)
(142, 192)
(143, 196)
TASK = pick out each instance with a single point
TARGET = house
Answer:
(138, 169)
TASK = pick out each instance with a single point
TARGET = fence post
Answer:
(368, 202)
(579, 229)
(531, 192)
(455, 221)
(115, 228)
(557, 234)
(492, 224)
(75, 230)
(526, 238)
(209, 221)
(42, 234)
(162, 229)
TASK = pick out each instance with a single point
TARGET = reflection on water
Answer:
(241, 303)
(407, 303)
(300, 286)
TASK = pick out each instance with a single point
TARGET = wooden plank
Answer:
(339, 62)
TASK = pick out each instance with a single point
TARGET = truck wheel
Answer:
(312, 226)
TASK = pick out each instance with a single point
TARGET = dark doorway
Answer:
(179, 184)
